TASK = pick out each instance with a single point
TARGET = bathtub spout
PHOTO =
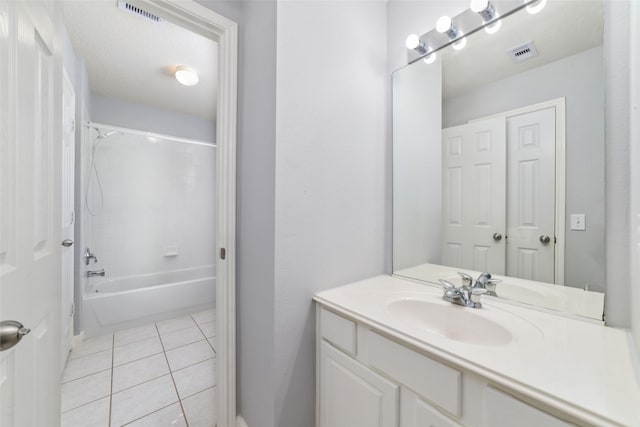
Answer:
(94, 273)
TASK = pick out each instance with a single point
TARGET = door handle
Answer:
(545, 239)
(497, 237)
(11, 332)
(67, 242)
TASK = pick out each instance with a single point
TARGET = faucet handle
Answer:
(478, 291)
(467, 280)
(446, 284)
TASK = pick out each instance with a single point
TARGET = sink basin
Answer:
(451, 321)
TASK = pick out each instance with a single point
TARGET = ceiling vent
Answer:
(523, 52)
(137, 11)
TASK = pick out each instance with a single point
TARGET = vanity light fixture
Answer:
(445, 26)
(413, 42)
(536, 6)
(186, 75)
(485, 9)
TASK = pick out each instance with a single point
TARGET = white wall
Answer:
(635, 170)
(331, 170)
(584, 94)
(158, 209)
(118, 112)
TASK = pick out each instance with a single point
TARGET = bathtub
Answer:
(125, 302)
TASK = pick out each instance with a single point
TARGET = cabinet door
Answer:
(415, 412)
(507, 411)
(352, 395)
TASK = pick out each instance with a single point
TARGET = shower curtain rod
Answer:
(150, 134)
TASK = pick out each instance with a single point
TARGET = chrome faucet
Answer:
(468, 296)
(88, 256)
(94, 273)
(485, 281)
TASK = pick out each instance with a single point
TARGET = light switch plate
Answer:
(578, 222)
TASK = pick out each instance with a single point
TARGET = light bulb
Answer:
(431, 58)
(460, 44)
(479, 6)
(413, 41)
(443, 24)
(536, 6)
(493, 28)
(186, 76)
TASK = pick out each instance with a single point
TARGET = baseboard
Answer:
(77, 339)
(240, 422)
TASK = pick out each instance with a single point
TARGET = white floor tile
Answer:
(195, 378)
(141, 400)
(178, 338)
(171, 416)
(134, 373)
(190, 354)
(92, 345)
(84, 390)
(86, 365)
(136, 350)
(200, 408)
(214, 343)
(171, 325)
(135, 334)
(94, 414)
(205, 316)
(208, 329)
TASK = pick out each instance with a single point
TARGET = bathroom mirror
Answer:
(498, 160)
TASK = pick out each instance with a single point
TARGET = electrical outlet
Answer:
(578, 222)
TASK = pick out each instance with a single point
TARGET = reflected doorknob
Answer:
(497, 237)
(67, 242)
(545, 239)
(11, 332)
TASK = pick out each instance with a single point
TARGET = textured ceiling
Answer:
(561, 29)
(132, 58)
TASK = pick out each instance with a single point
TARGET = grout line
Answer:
(113, 350)
(157, 410)
(205, 335)
(173, 379)
(143, 382)
(84, 404)
(84, 376)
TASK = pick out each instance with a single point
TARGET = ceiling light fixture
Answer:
(186, 75)
(413, 42)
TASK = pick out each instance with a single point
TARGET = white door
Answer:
(474, 195)
(30, 212)
(68, 214)
(353, 395)
(531, 195)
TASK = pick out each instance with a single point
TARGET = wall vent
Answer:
(137, 11)
(523, 52)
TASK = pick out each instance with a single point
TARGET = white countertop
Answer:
(581, 368)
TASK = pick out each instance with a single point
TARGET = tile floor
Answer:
(162, 374)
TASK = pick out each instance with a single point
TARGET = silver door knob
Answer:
(545, 239)
(497, 237)
(11, 332)
(67, 242)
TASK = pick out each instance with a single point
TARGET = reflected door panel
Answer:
(474, 166)
(531, 195)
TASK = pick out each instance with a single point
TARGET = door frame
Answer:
(560, 167)
(206, 22)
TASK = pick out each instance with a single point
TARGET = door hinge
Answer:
(223, 253)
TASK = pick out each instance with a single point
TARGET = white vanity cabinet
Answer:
(365, 379)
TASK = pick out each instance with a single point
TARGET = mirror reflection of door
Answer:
(487, 225)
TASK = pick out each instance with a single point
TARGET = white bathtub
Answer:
(125, 302)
